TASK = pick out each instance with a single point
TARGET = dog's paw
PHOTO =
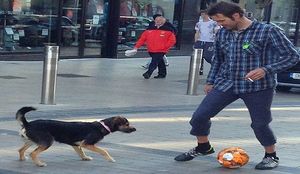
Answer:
(41, 164)
(23, 158)
(87, 158)
(111, 160)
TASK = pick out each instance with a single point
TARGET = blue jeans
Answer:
(208, 49)
(258, 104)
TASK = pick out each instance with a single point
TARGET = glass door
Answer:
(94, 27)
(284, 16)
(70, 27)
(27, 25)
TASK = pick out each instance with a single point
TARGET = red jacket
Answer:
(157, 39)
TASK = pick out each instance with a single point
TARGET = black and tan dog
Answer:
(77, 134)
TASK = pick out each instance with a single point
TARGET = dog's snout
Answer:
(127, 129)
(131, 129)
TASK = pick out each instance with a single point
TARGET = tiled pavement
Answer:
(158, 108)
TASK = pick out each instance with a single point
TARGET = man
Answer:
(151, 24)
(205, 35)
(159, 38)
(248, 54)
(206, 30)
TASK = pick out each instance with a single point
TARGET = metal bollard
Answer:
(194, 72)
(49, 75)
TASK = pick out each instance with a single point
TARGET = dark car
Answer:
(289, 78)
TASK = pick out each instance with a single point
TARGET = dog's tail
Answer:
(20, 115)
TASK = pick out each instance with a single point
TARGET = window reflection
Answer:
(135, 16)
(26, 24)
(283, 15)
(94, 26)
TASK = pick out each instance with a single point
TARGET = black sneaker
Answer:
(268, 163)
(159, 76)
(145, 66)
(192, 154)
(146, 75)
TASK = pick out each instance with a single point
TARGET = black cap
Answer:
(156, 15)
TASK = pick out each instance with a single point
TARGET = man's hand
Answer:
(207, 88)
(256, 74)
(132, 52)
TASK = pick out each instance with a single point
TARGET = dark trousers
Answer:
(258, 104)
(157, 61)
(208, 49)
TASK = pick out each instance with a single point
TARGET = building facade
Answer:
(104, 28)
(82, 28)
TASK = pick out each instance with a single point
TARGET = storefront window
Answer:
(94, 26)
(27, 25)
(77, 26)
(135, 16)
(70, 27)
(283, 15)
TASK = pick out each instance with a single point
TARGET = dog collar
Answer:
(106, 127)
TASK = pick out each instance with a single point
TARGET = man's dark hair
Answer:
(225, 8)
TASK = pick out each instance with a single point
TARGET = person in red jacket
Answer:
(159, 38)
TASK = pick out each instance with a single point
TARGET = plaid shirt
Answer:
(237, 53)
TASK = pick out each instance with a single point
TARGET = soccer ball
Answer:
(233, 157)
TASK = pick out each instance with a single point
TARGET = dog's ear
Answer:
(119, 121)
(114, 122)
(122, 125)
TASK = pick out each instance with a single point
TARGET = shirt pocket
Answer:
(253, 48)
(252, 55)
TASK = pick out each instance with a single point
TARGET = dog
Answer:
(79, 135)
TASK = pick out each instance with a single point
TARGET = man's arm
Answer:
(141, 40)
(171, 40)
(197, 35)
(288, 55)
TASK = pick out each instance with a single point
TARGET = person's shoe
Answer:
(268, 163)
(145, 66)
(187, 156)
(146, 75)
(159, 76)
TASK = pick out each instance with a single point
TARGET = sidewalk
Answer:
(92, 89)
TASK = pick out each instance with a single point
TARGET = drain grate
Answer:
(11, 77)
(72, 75)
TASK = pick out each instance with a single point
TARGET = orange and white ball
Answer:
(233, 157)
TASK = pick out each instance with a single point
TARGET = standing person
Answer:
(159, 38)
(206, 30)
(248, 54)
(151, 24)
